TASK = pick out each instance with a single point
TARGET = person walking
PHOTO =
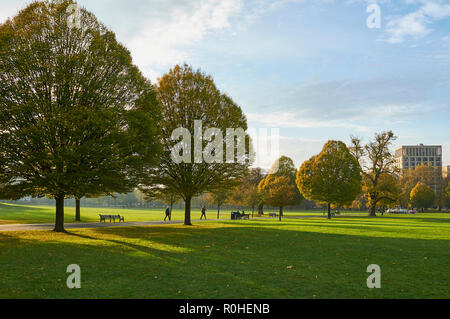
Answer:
(168, 214)
(203, 213)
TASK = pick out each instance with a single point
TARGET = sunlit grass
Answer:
(29, 214)
(307, 258)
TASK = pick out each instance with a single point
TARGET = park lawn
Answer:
(319, 212)
(28, 214)
(296, 258)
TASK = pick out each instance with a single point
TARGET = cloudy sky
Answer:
(312, 68)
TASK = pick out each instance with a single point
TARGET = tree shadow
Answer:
(230, 261)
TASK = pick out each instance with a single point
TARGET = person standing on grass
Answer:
(168, 214)
(203, 213)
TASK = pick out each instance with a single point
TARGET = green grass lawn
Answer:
(297, 258)
(27, 214)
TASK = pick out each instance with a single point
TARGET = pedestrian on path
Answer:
(168, 214)
(203, 213)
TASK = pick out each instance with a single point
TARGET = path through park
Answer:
(26, 227)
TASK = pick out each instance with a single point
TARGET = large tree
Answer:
(278, 191)
(198, 113)
(376, 161)
(218, 198)
(387, 189)
(423, 173)
(406, 182)
(422, 196)
(247, 193)
(76, 116)
(333, 177)
(285, 166)
(166, 196)
(282, 167)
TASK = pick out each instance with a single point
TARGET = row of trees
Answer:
(358, 176)
(78, 119)
(333, 178)
(428, 176)
(405, 187)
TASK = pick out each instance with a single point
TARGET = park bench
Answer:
(239, 216)
(274, 215)
(336, 214)
(111, 218)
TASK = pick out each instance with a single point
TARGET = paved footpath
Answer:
(25, 227)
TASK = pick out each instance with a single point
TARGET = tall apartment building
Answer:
(412, 156)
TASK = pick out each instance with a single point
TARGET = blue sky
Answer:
(311, 68)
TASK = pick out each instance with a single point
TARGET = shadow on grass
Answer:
(223, 261)
(147, 249)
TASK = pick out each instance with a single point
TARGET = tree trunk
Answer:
(218, 211)
(187, 211)
(281, 213)
(373, 205)
(77, 210)
(170, 213)
(329, 211)
(59, 223)
(373, 210)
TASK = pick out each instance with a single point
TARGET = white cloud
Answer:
(295, 120)
(357, 105)
(298, 148)
(416, 24)
(165, 39)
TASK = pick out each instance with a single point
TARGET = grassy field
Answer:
(26, 214)
(302, 258)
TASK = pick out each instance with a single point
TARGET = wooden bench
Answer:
(274, 215)
(335, 214)
(239, 216)
(111, 218)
